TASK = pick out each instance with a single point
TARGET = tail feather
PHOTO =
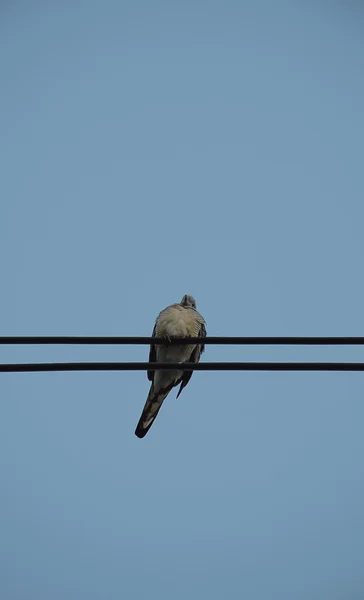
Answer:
(150, 411)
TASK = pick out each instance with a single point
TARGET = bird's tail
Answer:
(150, 411)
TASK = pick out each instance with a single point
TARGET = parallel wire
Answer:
(219, 340)
(204, 366)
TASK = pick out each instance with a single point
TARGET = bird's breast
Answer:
(177, 323)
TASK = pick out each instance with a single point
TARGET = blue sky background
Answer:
(153, 149)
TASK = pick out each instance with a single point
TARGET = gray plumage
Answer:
(177, 320)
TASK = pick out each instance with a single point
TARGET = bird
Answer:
(176, 321)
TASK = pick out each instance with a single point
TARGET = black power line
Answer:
(219, 340)
(204, 366)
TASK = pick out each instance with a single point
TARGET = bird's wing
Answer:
(152, 355)
(194, 358)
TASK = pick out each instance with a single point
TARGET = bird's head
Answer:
(188, 301)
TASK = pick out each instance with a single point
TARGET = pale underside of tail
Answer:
(150, 411)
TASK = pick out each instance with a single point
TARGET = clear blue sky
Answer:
(151, 150)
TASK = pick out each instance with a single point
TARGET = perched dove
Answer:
(177, 320)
